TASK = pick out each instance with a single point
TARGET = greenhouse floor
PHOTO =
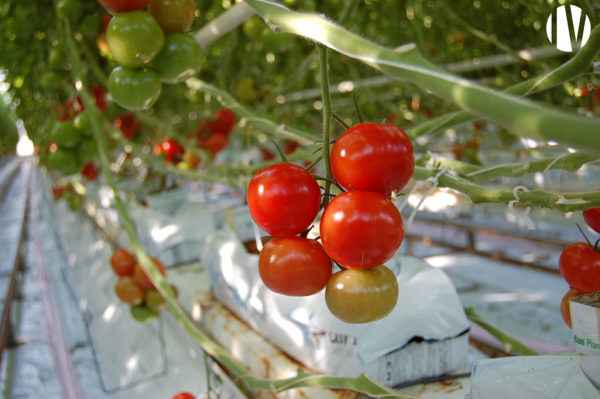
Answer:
(56, 348)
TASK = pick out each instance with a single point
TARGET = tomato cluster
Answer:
(212, 134)
(360, 228)
(133, 286)
(149, 41)
(579, 265)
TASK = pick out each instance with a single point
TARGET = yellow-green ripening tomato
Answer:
(179, 59)
(134, 38)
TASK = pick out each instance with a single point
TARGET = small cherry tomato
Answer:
(362, 296)
(565, 308)
(63, 161)
(122, 262)
(373, 157)
(128, 290)
(184, 395)
(65, 134)
(191, 159)
(294, 266)
(172, 150)
(215, 143)
(223, 120)
(123, 5)
(134, 38)
(283, 199)
(579, 265)
(134, 89)
(361, 229)
(87, 151)
(179, 59)
(592, 218)
(89, 171)
(127, 124)
(174, 16)
(142, 279)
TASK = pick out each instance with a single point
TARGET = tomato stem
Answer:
(327, 113)
(281, 154)
(340, 120)
(587, 239)
(360, 117)
(314, 163)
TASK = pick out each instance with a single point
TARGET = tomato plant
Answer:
(174, 16)
(361, 229)
(141, 277)
(134, 89)
(592, 218)
(373, 157)
(283, 199)
(134, 38)
(123, 5)
(579, 265)
(122, 262)
(179, 59)
(565, 308)
(294, 266)
(129, 291)
(362, 296)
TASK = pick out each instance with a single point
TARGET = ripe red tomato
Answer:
(294, 266)
(129, 291)
(184, 395)
(142, 279)
(123, 5)
(127, 124)
(215, 143)
(592, 218)
(172, 149)
(361, 229)
(122, 262)
(223, 120)
(373, 157)
(89, 171)
(565, 308)
(283, 199)
(579, 265)
(362, 296)
(173, 16)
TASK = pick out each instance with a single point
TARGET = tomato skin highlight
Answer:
(592, 218)
(283, 199)
(361, 229)
(362, 296)
(294, 266)
(373, 157)
(579, 265)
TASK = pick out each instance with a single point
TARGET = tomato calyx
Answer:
(595, 246)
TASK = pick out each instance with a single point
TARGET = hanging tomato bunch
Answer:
(579, 265)
(134, 286)
(360, 228)
(151, 47)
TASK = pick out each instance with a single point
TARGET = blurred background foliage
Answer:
(276, 74)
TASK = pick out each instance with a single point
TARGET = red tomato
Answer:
(584, 91)
(290, 146)
(215, 143)
(294, 266)
(89, 171)
(283, 199)
(142, 279)
(373, 157)
(123, 5)
(172, 149)
(122, 262)
(579, 265)
(184, 395)
(565, 308)
(223, 120)
(127, 124)
(267, 155)
(129, 291)
(592, 218)
(361, 229)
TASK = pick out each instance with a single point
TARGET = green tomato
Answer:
(91, 25)
(63, 161)
(134, 89)
(87, 151)
(246, 90)
(134, 38)
(253, 27)
(179, 59)
(174, 16)
(74, 200)
(142, 313)
(65, 134)
(82, 123)
(362, 295)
